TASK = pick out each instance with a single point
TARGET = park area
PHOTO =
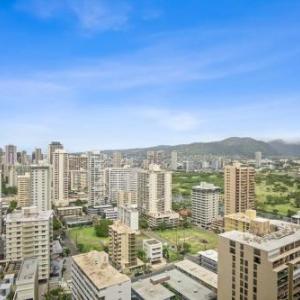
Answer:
(277, 193)
(198, 239)
(183, 182)
(86, 239)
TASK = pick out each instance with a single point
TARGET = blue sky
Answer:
(103, 74)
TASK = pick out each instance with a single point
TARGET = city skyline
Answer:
(125, 75)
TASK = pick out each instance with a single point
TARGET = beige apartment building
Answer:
(29, 233)
(239, 221)
(262, 264)
(155, 196)
(239, 188)
(24, 198)
(60, 177)
(41, 186)
(93, 278)
(122, 246)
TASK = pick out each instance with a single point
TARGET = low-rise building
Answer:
(93, 278)
(153, 249)
(27, 280)
(169, 219)
(69, 211)
(111, 213)
(209, 260)
(6, 285)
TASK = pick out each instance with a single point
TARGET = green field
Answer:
(198, 239)
(277, 193)
(183, 182)
(86, 236)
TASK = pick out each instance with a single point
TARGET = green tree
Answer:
(142, 255)
(143, 223)
(102, 229)
(12, 206)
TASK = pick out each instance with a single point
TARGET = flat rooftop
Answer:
(207, 277)
(211, 254)
(95, 265)
(29, 214)
(68, 208)
(28, 269)
(269, 242)
(188, 287)
(204, 186)
(148, 291)
(121, 228)
(152, 242)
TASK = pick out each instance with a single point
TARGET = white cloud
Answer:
(171, 119)
(92, 15)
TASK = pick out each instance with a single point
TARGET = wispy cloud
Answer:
(171, 119)
(92, 15)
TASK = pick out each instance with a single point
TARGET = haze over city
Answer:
(124, 74)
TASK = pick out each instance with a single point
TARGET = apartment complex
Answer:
(78, 180)
(239, 188)
(205, 204)
(10, 158)
(41, 186)
(129, 216)
(24, 198)
(122, 246)
(117, 160)
(262, 264)
(51, 149)
(29, 233)
(60, 177)
(155, 196)
(121, 180)
(93, 278)
(96, 178)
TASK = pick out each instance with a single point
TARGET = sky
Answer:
(115, 74)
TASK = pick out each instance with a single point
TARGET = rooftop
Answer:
(148, 291)
(208, 277)
(206, 186)
(28, 269)
(284, 236)
(121, 228)
(29, 214)
(152, 242)
(211, 254)
(96, 267)
(188, 287)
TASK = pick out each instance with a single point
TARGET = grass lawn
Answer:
(87, 237)
(197, 238)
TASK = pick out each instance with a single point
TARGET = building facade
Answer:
(24, 196)
(29, 233)
(205, 204)
(239, 188)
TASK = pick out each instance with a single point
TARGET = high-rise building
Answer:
(51, 149)
(239, 188)
(155, 196)
(93, 278)
(129, 216)
(38, 155)
(24, 197)
(96, 179)
(41, 186)
(117, 160)
(121, 180)
(174, 160)
(78, 180)
(122, 246)
(29, 233)
(12, 176)
(10, 155)
(258, 158)
(262, 264)
(60, 177)
(205, 204)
